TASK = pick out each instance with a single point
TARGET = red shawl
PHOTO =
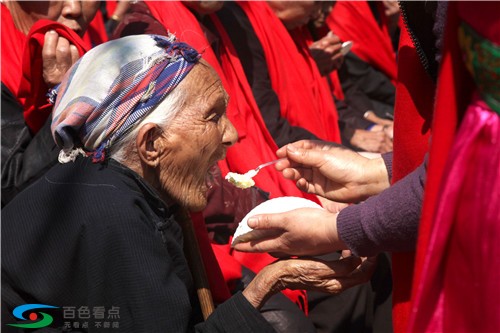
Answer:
(305, 99)
(13, 42)
(413, 115)
(304, 39)
(255, 145)
(353, 20)
(456, 273)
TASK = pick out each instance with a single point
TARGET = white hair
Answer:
(162, 115)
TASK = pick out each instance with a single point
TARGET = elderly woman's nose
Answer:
(230, 135)
(72, 9)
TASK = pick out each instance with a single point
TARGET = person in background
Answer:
(361, 128)
(293, 98)
(371, 63)
(50, 33)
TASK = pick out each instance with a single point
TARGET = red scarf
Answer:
(354, 20)
(255, 145)
(333, 78)
(13, 42)
(413, 116)
(456, 273)
(33, 88)
(304, 97)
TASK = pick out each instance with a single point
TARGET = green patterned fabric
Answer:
(482, 58)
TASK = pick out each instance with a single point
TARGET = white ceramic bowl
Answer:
(276, 205)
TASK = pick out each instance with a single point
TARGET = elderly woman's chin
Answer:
(193, 196)
(195, 201)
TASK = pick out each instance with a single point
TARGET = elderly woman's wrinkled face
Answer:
(76, 15)
(196, 139)
(294, 14)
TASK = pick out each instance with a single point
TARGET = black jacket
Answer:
(96, 235)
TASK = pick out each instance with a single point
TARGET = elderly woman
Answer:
(141, 120)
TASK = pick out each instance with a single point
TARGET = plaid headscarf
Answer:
(112, 87)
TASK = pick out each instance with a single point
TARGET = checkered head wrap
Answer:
(112, 87)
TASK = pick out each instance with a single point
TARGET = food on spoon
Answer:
(241, 181)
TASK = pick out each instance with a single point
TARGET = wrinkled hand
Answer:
(326, 53)
(300, 232)
(58, 56)
(376, 141)
(332, 171)
(311, 274)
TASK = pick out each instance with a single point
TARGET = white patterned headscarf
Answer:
(112, 87)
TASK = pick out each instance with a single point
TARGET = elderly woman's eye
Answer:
(214, 116)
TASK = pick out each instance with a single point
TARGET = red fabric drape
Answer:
(456, 273)
(303, 39)
(33, 88)
(353, 20)
(413, 116)
(255, 145)
(13, 42)
(305, 100)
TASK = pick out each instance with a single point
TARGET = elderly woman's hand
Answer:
(58, 56)
(326, 53)
(301, 232)
(311, 274)
(332, 171)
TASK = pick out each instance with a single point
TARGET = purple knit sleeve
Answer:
(387, 157)
(385, 222)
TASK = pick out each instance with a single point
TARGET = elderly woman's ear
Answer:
(150, 145)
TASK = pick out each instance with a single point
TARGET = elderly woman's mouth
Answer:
(210, 176)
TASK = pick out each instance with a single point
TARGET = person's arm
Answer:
(252, 58)
(374, 84)
(388, 221)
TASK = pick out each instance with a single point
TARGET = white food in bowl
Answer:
(276, 205)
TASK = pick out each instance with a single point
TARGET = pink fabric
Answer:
(460, 278)
(456, 271)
